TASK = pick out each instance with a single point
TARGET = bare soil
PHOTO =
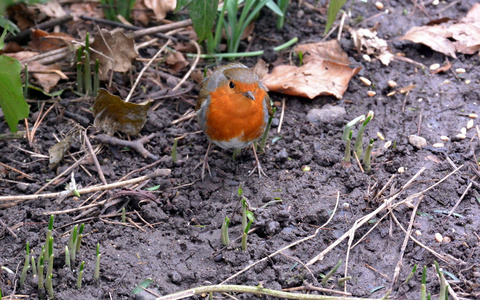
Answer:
(176, 241)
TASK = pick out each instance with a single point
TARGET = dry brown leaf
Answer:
(367, 41)
(331, 51)
(176, 61)
(89, 9)
(47, 76)
(260, 68)
(449, 38)
(113, 114)
(117, 52)
(53, 9)
(325, 72)
(44, 41)
(310, 80)
(21, 55)
(160, 7)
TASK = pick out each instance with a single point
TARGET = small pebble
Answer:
(391, 93)
(392, 83)
(467, 81)
(371, 93)
(380, 136)
(438, 145)
(417, 141)
(461, 136)
(435, 2)
(365, 81)
(366, 57)
(444, 138)
(460, 70)
(473, 116)
(470, 124)
(463, 131)
(379, 5)
(418, 232)
(434, 67)
(438, 237)
(346, 205)
(447, 239)
(401, 170)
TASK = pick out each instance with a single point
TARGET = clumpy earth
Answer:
(172, 232)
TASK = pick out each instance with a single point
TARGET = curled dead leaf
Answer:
(176, 61)
(160, 7)
(57, 152)
(260, 68)
(366, 40)
(47, 76)
(449, 38)
(330, 50)
(114, 51)
(113, 114)
(310, 80)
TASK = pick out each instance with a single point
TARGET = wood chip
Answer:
(391, 93)
(473, 116)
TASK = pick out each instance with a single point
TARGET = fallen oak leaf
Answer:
(117, 51)
(47, 76)
(113, 114)
(312, 79)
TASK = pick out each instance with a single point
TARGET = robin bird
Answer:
(233, 108)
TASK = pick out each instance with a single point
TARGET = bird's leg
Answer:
(257, 163)
(205, 162)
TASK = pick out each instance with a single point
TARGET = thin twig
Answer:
(461, 198)
(282, 114)
(16, 170)
(398, 267)
(194, 65)
(145, 68)
(286, 247)
(94, 157)
(156, 173)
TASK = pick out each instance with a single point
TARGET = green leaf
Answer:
(12, 101)
(333, 9)
(202, 13)
(181, 4)
(274, 7)
(142, 285)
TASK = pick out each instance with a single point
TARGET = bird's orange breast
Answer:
(232, 117)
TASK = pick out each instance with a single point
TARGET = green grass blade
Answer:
(334, 7)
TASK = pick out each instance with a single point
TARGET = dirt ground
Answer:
(176, 240)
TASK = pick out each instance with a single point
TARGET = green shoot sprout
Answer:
(49, 286)
(174, 150)
(224, 232)
(283, 5)
(67, 258)
(34, 265)
(72, 246)
(423, 289)
(80, 275)
(411, 274)
(97, 263)
(367, 157)
(348, 151)
(443, 283)
(263, 141)
(124, 216)
(358, 148)
(26, 265)
(300, 58)
(329, 274)
(348, 127)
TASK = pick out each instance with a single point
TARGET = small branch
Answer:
(195, 62)
(156, 173)
(95, 159)
(162, 28)
(136, 145)
(256, 290)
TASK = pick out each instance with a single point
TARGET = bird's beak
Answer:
(249, 95)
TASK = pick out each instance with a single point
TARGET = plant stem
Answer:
(286, 45)
(329, 274)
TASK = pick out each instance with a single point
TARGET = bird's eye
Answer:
(231, 84)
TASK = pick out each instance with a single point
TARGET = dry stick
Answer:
(257, 290)
(443, 257)
(143, 70)
(288, 246)
(364, 219)
(282, 114)
(15, 170)
(162, 28)
(195, 62)
(156, 173)
(461, 197)
(94, 157)
(307, 286)
(358, 161)
(136, 145)
(61, 174)
(342, 23)
(405, 241)
(8, 228)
